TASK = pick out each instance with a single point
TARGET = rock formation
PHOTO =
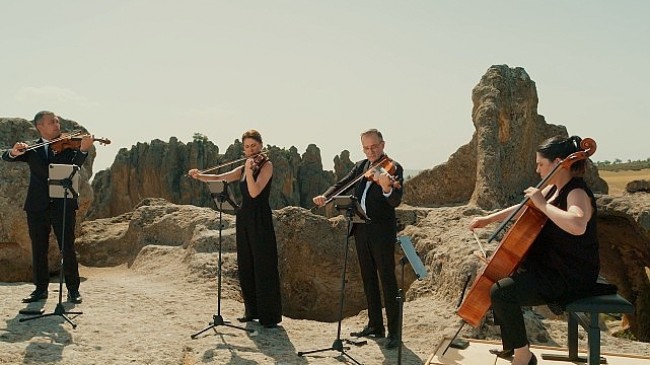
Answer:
(498, 163)
(157, 170)
(311, 252)
(636, 186)
(624, 237)
(15, 244)
(310, 279)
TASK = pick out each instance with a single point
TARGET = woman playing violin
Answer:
(379, 192)
(45, 214)
(257, 253)
(562, 263)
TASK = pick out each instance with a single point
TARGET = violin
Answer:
(258, 160)
(64, 142)
(73, 143)
(385, 165)
(254, 157)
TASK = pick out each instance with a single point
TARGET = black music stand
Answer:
(411, 256)
(225, 202)
(63, 180)
(354, 214)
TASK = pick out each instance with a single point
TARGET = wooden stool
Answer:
(585, 311)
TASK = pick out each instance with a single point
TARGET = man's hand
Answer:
(18, 149)
(86, 142)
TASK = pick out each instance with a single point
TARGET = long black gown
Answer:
(257, 256)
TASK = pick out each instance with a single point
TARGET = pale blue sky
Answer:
(322, 71)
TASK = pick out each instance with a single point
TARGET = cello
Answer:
(514, 245)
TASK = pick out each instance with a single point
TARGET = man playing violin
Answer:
(257, 251)
(563, 262)
(45, 214)
(375, 241)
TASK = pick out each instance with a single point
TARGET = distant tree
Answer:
(617, 161)
(199, 137)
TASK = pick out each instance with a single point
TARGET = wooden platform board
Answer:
(477, 353)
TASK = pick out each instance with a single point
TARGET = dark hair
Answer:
(252, 134)
(39, 116)
(561, 147)
(373, 131)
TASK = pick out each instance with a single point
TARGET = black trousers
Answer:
(376, 254)
(40, 224)
(508, 296)
(257, 261)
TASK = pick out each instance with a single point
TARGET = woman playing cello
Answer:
(563, 260)
(257, 252)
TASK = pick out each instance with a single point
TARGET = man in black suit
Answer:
(43, 213)
(375, 241)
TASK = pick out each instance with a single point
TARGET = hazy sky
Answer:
(320, 72)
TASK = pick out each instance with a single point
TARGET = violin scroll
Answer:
(588, 145)
(588, 148)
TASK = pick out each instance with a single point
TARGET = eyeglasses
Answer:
(373, 147)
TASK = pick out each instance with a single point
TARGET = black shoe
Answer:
(74, 297)
(36, 296)
(270, 325)
(391, 341)
(246, 318)
(368, 331)
(504, 354)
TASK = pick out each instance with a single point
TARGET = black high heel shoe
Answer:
(504, 354)
(533, 360)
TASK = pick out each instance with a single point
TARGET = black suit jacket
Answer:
(380, 209)
(38, 193)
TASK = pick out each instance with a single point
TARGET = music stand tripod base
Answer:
(63, 181)
(354, 214)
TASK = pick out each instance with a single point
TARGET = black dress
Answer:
(257, 256)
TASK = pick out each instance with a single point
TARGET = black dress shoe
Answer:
(36, 296)
(74, 297)
(368, 331)
(391, 341)
(504, 354)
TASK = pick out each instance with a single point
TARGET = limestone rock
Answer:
(157, 170)
(310, 250)
(624, 237)
(498, 163)
(636, 186)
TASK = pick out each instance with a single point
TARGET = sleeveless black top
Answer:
(566, 265)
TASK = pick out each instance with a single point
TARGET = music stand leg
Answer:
(337, 345)
(400, 318)
(60, 309)
(217, 319)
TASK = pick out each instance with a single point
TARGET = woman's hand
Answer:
(319, 200)
(194, 173)
(478, 222)
(535, 196)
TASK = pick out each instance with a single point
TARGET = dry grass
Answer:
(617, 180)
